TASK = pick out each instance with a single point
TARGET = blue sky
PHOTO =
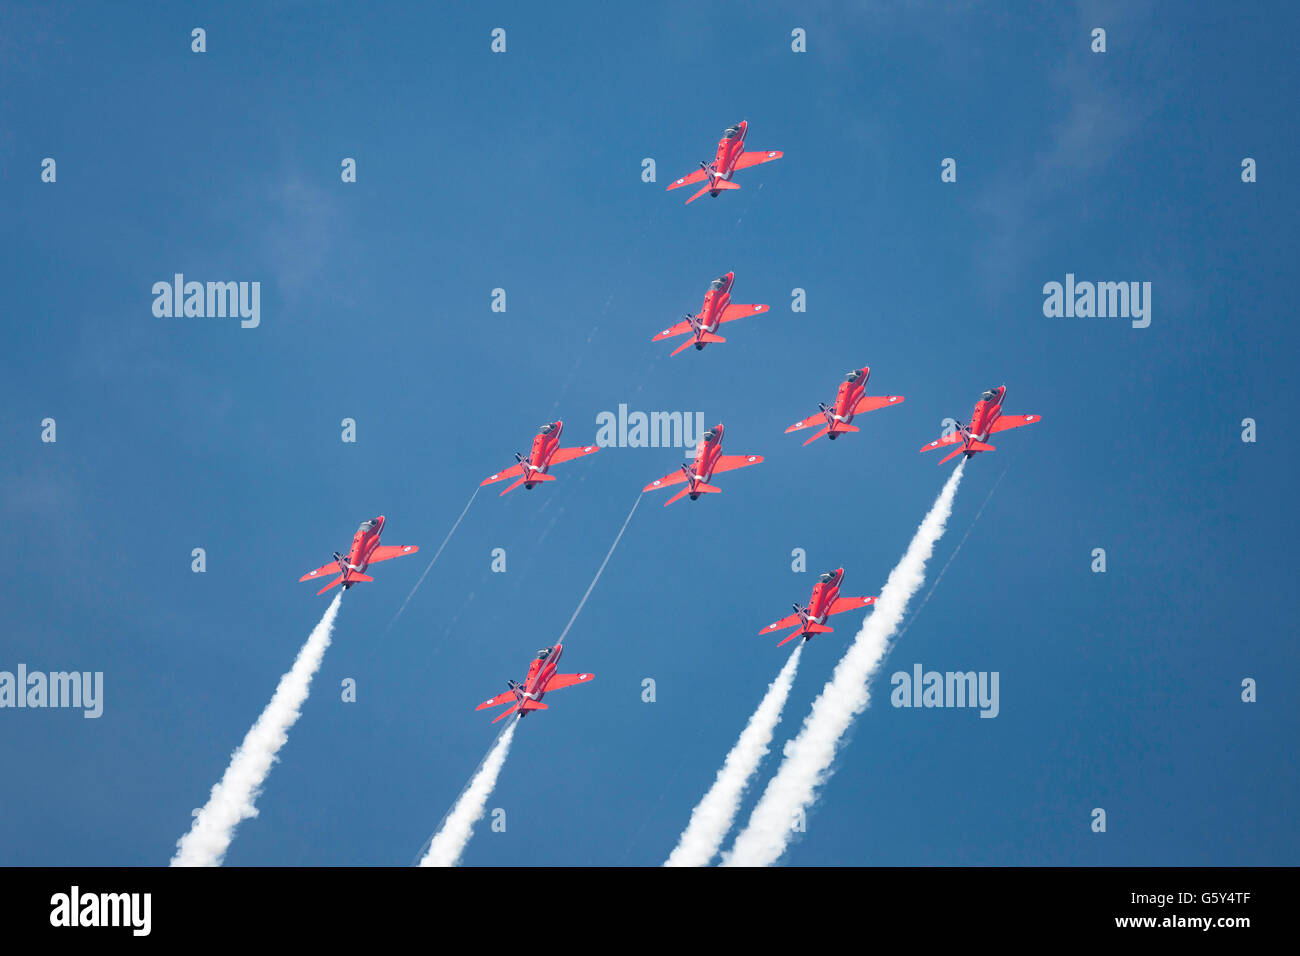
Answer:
(522, 171)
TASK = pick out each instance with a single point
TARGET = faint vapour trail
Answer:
(609, 554)
(435, 558)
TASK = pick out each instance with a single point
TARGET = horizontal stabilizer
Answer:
(337, 581)
(356, 576)
(507, 713)
(708, 489)
(818, 434)
(817, 628)
(980, 446)
(711, 337)
(528, 705)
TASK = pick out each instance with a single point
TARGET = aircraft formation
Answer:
(833, 419)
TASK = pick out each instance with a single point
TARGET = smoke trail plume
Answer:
(714, 814)
(457, 827)
(808, 757)
(233, 798)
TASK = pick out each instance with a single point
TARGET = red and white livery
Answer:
(851, 400)
(546, 451)
(709, 461)
(986, 420)
(731, 157)
(717, 308)
(824, 602)
(365, 551)
(542, 678)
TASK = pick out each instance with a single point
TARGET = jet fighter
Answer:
(541, 680)
(717, 308)
(824, 602)
(985, 420)
(365, 551)
(546, 451)
(709, 461)
(731, 156)
(850, 400)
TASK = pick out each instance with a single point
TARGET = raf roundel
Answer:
(753, 458)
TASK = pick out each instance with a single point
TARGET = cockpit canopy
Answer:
(710, 435)
(544, 653)
(546, 429)
(852, 376)
(719, 283)
(369, 525)
(826, 578)
(990, 395)
(731, 132)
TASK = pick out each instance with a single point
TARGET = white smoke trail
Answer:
(808, 757)
(233, 798)
(457, 827)
(713, 816)
(434, 559)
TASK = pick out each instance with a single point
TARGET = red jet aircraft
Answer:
(850, 400)
(824, 602)
(366, 550)
(985, 420)
(546, 452)
(709, 460)
(731, 157)
(541, 680)
(717, 308)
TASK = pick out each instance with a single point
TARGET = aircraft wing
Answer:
(672, 478)
(561, 681)
(952, 438)
(327, 569)
(842, 604)
(568, 454)
(498, 700)
(756, 157)
(732, 462)
(1014, 421)
(696, 177)
(514, 471)
(681, 328)
(386, 551)
(869, 403)
(809, 422)
(738, 311)
(790, 620)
